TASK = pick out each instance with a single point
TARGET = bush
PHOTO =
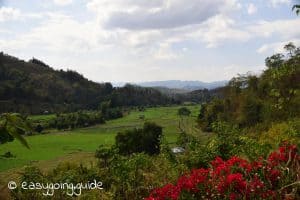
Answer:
(5, 137)
(132, 177)
(105, 155)
(145, 140)
(236, 178)
(184, 111)
(39, 128)
(64, 173)
(8, 154)
(113, 113)
(227, 141)
(279, 132)
(109, 112)
(75, 120)
(210, 113)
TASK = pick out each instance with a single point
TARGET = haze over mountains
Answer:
(178, 84)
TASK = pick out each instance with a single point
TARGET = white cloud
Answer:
(126, 45)
(164, 52)
(157, 14)
(58, 33)
(184, 49)
(63, 2)
(219, 29)
(276, 47)
(8, 13)
(276, 3)
(285, 29)
(251, 9)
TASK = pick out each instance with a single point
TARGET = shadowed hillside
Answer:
(34, 87)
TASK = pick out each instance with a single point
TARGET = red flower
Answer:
(235, 178)
(233, 196)
(169, 191)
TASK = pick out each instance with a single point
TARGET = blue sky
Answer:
(148, 40)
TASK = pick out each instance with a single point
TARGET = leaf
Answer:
(297, 8)
(15, 126)
(17, 133)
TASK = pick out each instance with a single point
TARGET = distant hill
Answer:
(196, 96)
(171, 91)
(184, 85)
(34, 87)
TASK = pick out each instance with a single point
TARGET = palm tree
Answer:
(14, 126)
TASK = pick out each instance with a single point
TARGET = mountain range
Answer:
(182, 85)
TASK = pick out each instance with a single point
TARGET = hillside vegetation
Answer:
(249, 100)
(242, 143)
(34, 87)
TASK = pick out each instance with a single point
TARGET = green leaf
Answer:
(15, 125)
(17, 133)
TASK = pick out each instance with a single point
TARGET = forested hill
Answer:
(249, 100)
(34, 87)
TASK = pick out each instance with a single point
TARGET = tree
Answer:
(183, 111)
(13, 126)
(274, 61)
(140, 140)
(291, 48)
(296, 8)
(250, 111)
(104, 106)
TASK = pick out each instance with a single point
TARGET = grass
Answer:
(58, 146)
(41, 117)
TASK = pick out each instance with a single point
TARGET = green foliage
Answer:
(131, 95)
(63, 173)
(13, 126)
(75, 120)
(197, 155)
(63, 91)
(8, 154)
(110, 113)
(249, 100)
(209, 113)
(184, 111)
(140, 140)
(129, 176)
(281, 132)
(251, 110)
(196, 96)
(275, 61)
(104, 106)
(227, 140)
(47, 147)
(39, 128)
(105, 155)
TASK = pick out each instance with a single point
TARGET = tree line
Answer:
(33, 87)
(249, 99)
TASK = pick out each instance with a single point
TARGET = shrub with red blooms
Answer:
(277, 177)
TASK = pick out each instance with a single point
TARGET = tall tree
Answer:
(290, 48)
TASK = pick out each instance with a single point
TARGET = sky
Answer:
(149, 40)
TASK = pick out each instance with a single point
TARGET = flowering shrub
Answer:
(277, 177)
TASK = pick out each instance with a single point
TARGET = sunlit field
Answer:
(60, 144)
